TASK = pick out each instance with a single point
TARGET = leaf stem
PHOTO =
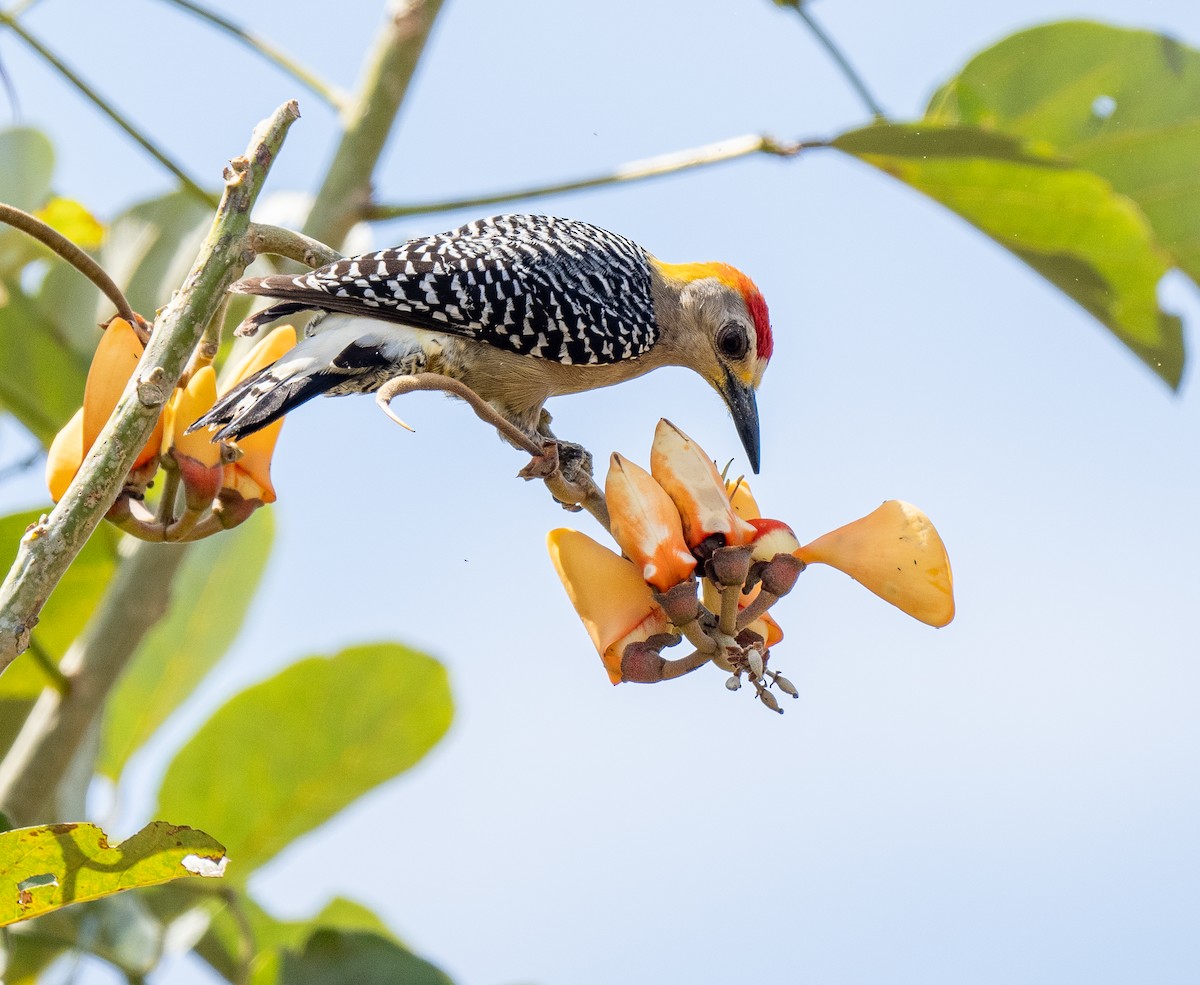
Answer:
(839, 58)
(276, 56)
(76, 257)
(652, 167)
(107, 108)
(55, 676)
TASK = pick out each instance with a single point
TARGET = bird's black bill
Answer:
(744, 408)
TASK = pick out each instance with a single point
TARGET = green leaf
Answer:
(227, 933)
(211, 596)
(27, 157)
(150, 248)
(1122, 103)
(45, 868)
(287, 754)
(67, 611)
(26, 164)
(41, 379)
(333, 957)
(1066, 222)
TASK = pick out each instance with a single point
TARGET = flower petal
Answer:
(742, 499)
(265, 352)
(65, 456)
(250, 475)
(646, 524)
(690, 478)
(897, 554)
(607, 591)
(113, 363)
(198, 457)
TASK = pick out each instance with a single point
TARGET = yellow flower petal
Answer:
(742, 499)
(65, 456)
(250, 475)
(607, 591)
(897, 554)
(646, 524)
(113, 363)
(690, 478)
(265, 352)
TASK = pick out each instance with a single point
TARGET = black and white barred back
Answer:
(536, 285)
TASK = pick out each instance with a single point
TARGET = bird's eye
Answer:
(733, 341)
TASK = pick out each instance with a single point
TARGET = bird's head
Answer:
(723, 333)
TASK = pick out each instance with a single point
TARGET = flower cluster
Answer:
(222, 482)
(700, 562)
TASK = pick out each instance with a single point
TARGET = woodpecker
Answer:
(519, 308)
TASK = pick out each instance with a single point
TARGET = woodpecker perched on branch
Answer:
(519, 308)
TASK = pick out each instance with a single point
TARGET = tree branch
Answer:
(653, 167)
(77, 258)
(839, 58)
(106, 108)
(59, 720)
(50, 545)
(345, 195)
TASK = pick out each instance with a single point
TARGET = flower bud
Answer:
(250, 475)
(691, 480)
(113, 363)
(897, 554)
(646, 524)
(198, 458)
(615, 604)
(772, 537)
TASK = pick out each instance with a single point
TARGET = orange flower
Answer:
(646, 524)
(607, 591)
(690, 478)
(250, 476)
(113, 363)
(897, 554)
(198, 458)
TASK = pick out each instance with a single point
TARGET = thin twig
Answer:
(50, 237)
(107, 109)
(295, 246)
(840, 59)
(652, 167)
(279, 58)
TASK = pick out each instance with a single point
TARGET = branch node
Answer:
(151, 388)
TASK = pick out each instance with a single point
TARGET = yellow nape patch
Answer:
(688, 272)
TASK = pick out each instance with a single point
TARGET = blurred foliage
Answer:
(220, 575)
(381, 708)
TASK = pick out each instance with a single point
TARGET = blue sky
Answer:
(1012, 798)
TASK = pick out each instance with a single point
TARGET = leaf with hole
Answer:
(52, 866)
